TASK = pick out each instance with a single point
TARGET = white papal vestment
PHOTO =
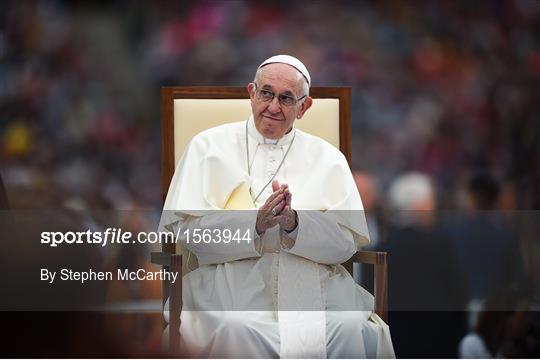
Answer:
(244, 299)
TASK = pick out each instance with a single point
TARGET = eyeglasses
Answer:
(284, 100)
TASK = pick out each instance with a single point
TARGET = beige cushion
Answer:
(191, 116)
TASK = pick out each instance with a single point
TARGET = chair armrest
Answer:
(370, 257)
(162, 258)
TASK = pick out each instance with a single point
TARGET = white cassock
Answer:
(272, 297)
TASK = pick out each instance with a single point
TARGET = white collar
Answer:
(255, 134)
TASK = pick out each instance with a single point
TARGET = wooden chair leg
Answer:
(175, 305)
(381, 288)
(379, 260)
(173, 291)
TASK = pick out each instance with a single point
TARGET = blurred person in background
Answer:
(488, 252)
(425, 287)
(504, 328)
(4, 204)
(369, 191)
(368, 187)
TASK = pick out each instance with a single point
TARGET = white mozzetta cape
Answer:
(286, 300)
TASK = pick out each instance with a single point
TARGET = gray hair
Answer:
(405, 193)
(305, 85)
(409, 189)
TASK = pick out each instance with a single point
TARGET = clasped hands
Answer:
(277, 210)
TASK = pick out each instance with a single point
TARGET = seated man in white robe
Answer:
(282, 293)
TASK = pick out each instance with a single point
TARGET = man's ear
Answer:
(251, 90)
(304, 107)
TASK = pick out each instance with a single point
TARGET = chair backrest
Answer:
(186, 111)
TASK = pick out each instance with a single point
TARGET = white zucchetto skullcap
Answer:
(289, 60)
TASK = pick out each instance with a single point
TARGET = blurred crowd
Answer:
(442, 91)
(459, 272)
(442, 87)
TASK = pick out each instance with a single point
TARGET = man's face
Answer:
(272, 119)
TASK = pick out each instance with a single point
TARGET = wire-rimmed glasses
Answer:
(266, 95)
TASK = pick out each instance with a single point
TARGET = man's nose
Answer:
(274, 107)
